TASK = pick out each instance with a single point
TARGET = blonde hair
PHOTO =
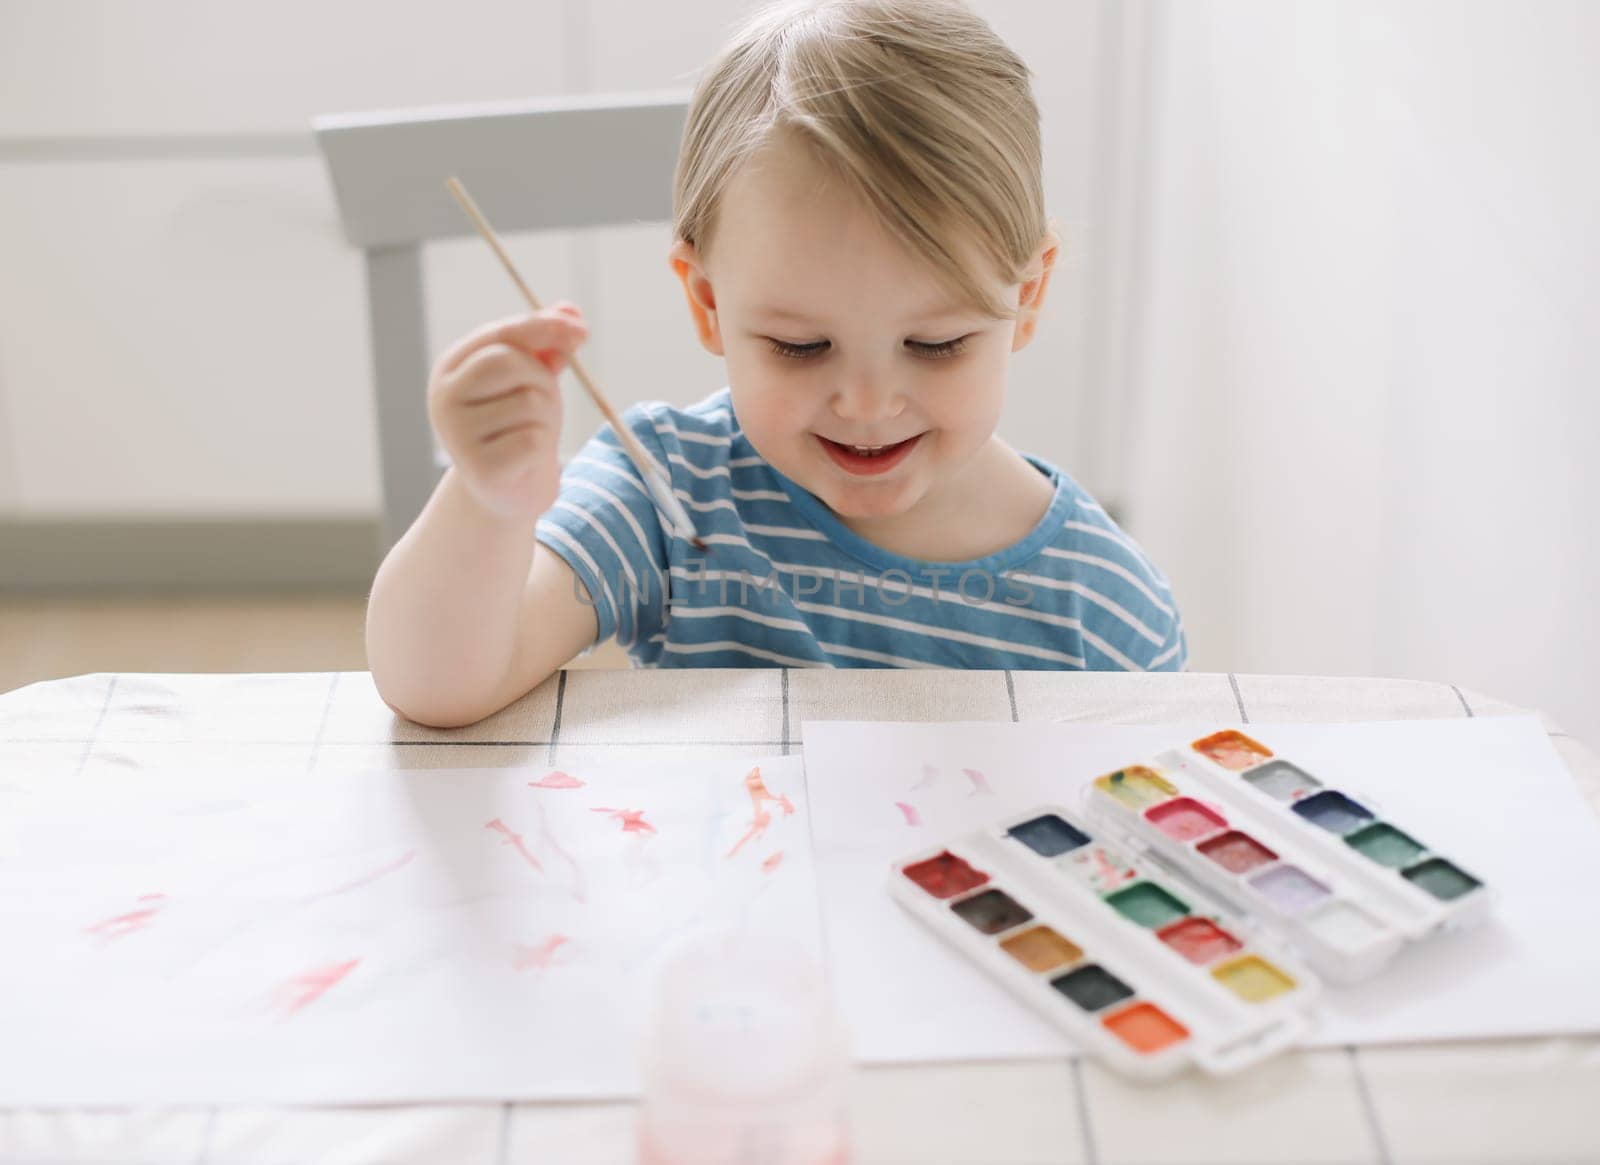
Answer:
(917, 105)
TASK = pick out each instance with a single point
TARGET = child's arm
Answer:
(467, 613)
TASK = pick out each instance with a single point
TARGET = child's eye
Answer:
(797, 351)
(940, 351)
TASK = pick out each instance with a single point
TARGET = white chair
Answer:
(546, 164)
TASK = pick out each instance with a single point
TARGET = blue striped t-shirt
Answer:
(784, 581)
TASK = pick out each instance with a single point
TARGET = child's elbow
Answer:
(443, 718)
(427, 710)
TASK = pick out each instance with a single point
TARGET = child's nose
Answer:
(868, 398)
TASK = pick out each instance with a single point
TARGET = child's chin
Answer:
(868, 504)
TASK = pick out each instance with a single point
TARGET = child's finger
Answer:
(519, 408)
(497, 371)
(551, 348)
(512, 452)
(531, 333)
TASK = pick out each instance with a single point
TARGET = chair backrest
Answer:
(546, 164)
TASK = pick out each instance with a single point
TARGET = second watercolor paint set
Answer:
(1186, 915)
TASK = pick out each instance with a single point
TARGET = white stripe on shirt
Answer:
(1117, 569)
(747, 649)
(945, 633)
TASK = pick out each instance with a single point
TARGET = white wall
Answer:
(1365, 421)
(182, 327)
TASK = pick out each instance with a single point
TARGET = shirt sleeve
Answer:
(1130, 618)
(605, 525)
(1173, 655)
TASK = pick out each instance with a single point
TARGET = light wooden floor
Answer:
(44, 639)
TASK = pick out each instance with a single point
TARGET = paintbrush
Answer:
(654, 479)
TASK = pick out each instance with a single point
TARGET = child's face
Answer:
(852, 370)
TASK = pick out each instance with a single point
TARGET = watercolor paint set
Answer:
(1190, 914)
(1324, 867)
(1139, 968)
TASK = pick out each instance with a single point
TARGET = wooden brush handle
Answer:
(645, 463)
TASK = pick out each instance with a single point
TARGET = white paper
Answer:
(1490, 793)
(362, 937)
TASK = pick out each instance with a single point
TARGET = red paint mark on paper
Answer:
(930, 774)
(760, 794)
(760, 817)
(980, 783)
(1112, 873)
(757, 828)
(514, 840)
(541, 956)
(549, 839)
(632, 819)
(556, 780)
(912, 816)
(367, 879)
(305, 989)
(122, 925)
(772, 863)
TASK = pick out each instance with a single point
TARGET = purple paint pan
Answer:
(1289, 888)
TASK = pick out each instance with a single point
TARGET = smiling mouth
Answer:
(868, 460)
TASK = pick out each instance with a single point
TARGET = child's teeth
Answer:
(867, 450)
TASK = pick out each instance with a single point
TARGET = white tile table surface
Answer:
(1523, 1102)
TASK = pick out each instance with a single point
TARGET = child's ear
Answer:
(686, 262)
(1036, 282)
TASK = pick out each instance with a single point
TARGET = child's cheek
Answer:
(767, 391)
(980, 397)
(768, 410)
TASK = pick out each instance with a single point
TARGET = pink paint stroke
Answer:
(772, 863)
(305, 989)
(540, 957)
(367, 879)
(556, 780)
(514, 840)
(1112, 873)
(632, 820)
(912, 816)
(930, 774)
(549, 839)
(760, 818)
(122, 925)
(980, 783)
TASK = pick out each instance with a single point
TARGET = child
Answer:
(861, 235)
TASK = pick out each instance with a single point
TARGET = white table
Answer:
(1518, 1101)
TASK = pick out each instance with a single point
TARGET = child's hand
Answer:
(496, 408)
